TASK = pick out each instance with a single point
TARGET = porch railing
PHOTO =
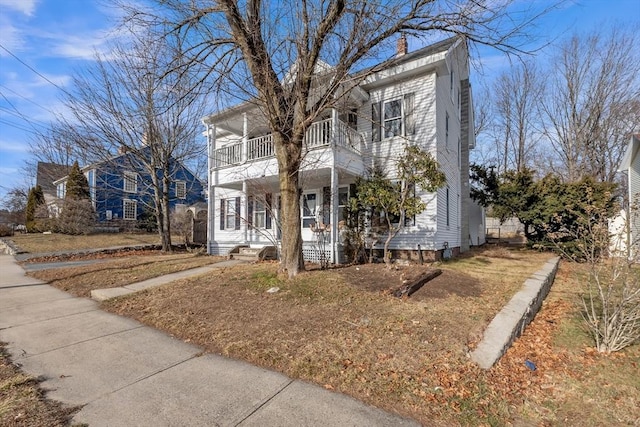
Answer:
(319, 134)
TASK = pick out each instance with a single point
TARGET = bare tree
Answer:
(517, 94)
(274, 54)
(592, 104)
(134, 102)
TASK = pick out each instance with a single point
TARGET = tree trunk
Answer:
(166, 223)
(289, 154)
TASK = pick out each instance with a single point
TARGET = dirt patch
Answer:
(378, 278)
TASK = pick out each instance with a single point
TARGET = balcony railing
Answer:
(319, 134)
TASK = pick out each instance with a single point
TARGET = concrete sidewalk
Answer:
(125, 373)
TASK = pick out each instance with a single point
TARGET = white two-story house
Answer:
(422, 98)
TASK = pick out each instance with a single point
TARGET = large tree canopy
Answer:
(274, 54)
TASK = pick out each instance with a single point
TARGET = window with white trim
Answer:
(259, 213)
(392, 123)
(394, 117)
(230, 214)
(130, 182)
(129, 209)
(181, 189)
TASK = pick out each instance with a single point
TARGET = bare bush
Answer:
(611, 295)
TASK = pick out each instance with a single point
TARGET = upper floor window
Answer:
(130, 182)
(61, 190)
(452, 86)
(181, 189)
(393, 118)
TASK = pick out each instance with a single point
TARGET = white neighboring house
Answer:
(625, 228)
(422, 98)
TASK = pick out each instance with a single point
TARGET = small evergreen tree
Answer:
(396, 199)
(35, 203)
(78, 214)
(77, 184)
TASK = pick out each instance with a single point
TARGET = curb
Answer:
(514, 317)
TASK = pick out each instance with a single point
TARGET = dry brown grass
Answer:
(340, 329)
(119, 271)
(22, 402)
(406, 356)
(38, 242)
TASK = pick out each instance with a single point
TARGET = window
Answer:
(61, 190)
(309, 205)
(452, 88)
(230, 214)
(447, 206)
(129, 209)
(343, 201)
(393, 118)
(446, 129)
(259, 213)
(130, 182)
(181, 189)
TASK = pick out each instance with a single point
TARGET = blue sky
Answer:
(55, 37)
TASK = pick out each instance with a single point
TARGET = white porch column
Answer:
(334, 188)
(245, 212)
(245, 137)
(211, 144)
(334, 129)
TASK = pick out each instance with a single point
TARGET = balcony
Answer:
(320, 134)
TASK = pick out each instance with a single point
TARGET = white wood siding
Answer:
(387, 151)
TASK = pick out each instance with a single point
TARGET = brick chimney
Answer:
(401, 46)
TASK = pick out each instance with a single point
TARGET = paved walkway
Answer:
(127, 374)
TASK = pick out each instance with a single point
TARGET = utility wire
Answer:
(18, 126)
(25, 98)
(32, 69)
(18, 113)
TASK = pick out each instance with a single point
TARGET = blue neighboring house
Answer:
(122, 190)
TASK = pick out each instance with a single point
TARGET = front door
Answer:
(310, 206)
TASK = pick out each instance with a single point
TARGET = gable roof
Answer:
(48, 173)
(630, 153)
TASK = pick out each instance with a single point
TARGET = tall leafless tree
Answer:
(509, 115)
(592, 104)
(270, 53)
(135, 101)
(517, 94)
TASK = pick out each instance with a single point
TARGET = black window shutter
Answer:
(376, 121)
(222, 214)
(250, 210)
(267, 220)
(237, 213)
(409, 115)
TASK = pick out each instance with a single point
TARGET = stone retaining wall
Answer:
(514, 317)
(7, 248)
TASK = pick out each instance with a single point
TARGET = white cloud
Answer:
(11, 36)
(13, 147)
(23, 6)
